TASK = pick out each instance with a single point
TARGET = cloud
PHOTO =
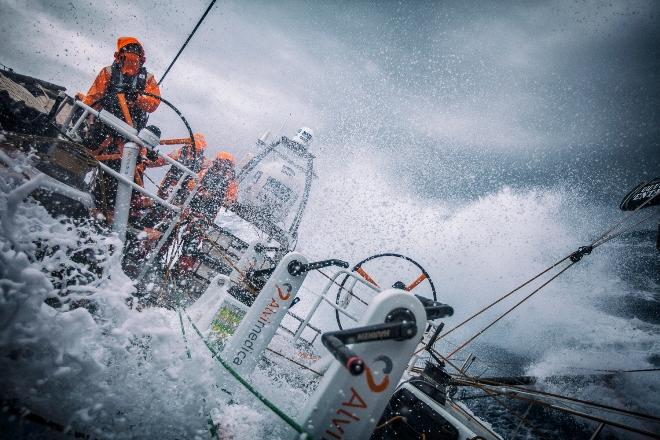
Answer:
(504, 76)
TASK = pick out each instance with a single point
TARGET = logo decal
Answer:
(379, 387)
(281, 294)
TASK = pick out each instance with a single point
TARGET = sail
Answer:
(643, 194)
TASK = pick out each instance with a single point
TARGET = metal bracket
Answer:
(347, 406)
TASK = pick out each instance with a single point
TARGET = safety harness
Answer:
(119, 83)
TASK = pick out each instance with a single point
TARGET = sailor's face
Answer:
(130, 63)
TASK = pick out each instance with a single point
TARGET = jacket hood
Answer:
(122, 42)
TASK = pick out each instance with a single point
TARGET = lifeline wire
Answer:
(183, 333)
(187, 40)
(289, 421)
(295, 362)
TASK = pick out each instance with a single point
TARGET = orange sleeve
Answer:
(148, 103)
(99, 87)
(232, 193)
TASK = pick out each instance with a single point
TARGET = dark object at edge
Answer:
(641, 194)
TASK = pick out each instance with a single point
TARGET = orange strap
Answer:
(182, 141)
(139, 171)
(415, 283)
(366, 276)
(124, 108)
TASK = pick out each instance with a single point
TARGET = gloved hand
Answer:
(152, 155)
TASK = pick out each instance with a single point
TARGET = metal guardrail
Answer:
(323, 297)
(125, 130)
(125, 177)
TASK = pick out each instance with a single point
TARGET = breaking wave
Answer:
(600, 316)
(116, 372)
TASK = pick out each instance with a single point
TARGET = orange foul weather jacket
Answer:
(142, 80)
(143, 103)
(218, 186)
(231, 194)
(119, 89)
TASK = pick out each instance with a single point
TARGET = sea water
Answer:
(115, 372)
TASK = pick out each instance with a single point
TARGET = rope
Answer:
(463, 345)
(187, 40)
(295, 362)
(183, 333)
(289, 421)
(574, 257)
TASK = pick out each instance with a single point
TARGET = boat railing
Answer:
(323, 296)
(145, 139)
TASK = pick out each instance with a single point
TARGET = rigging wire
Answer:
(483, 387)
(625, 217)
(281, 414)
(187, 40)
(609, 408)
(626, 229)
(643, 370)
(464, 344)
(604, 238)
(503, 297)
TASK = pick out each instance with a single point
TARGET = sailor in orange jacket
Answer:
(120, 89)
(194, 160)
(218, 188)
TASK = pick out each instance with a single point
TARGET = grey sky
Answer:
(506, 92)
